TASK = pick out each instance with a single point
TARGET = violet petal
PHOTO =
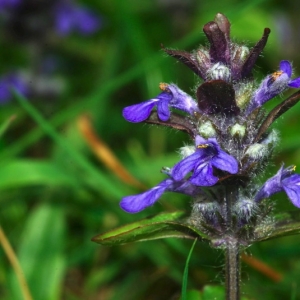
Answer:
(139, 112)
(136, 203)
(225, 162)
(286, 67)
(203, 175)
(295, 83)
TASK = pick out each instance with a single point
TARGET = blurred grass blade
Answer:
(26, 172)
(161, 226)
(186, 273)
(5, 125)
(40, 252)
(107, 186)
(15, 265)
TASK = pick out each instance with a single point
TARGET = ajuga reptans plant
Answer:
(231, 143)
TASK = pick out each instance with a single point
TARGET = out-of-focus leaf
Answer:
(18, 173)
(209, 292)
(193, 295)
(40, 253)
(285, 224)
(158, 227)
(215, 292)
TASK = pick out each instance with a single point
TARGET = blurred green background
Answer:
(56, 193)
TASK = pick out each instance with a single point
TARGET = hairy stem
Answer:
(232, 270)
(232, 250)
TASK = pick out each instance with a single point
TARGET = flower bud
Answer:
(245, 209)
(218, 72)
(186, 151)
(206, 209)
(257, 150)
(238, 130)
(207, 130)
(272, 138)
(243, 94)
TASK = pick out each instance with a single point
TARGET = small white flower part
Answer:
(245, 208)
(257, 151)
(207, 130)
(208, 209)
(238, 130)
(272, 138)
(218, 72)
(186, 151)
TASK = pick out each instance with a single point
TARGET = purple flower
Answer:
(171, 96)
(284, 180)
(201, 162)
(273, 85)
(9, 3)
(136, 203)
(9, 82)
(69, 17)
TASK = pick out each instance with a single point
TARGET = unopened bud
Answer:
(244, 94)
(218, 72)
(257, 151)
(186, 151)
(245, 209)
(238, 130)
(207, 130)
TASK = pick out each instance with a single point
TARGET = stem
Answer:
(232, 250)
(230, 198)
(232, 270)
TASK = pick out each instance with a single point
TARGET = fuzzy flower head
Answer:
(231, 145)
(285, 180)
(170, 97)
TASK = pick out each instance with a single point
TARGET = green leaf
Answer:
(285, 224)
(160, 226)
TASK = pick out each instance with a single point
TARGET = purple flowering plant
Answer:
(231, 144)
